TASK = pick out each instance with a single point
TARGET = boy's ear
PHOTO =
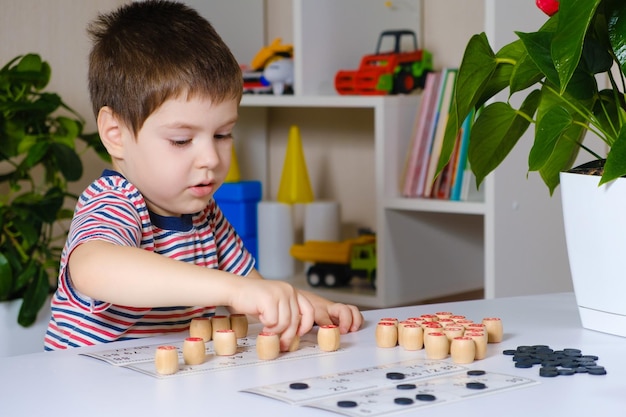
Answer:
(110, 129)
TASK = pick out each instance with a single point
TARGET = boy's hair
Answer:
(147, 52)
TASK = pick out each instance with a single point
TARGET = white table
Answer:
(66, 383)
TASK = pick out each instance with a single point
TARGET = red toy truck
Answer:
(388, 72)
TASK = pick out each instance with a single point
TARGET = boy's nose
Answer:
(207, 156)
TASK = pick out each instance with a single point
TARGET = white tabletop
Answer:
(69, 384)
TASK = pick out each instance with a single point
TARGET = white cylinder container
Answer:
(275, 236)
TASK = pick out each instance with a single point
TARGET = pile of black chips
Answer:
(553, 363)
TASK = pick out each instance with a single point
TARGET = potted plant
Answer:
(556, 71)
(38, 157)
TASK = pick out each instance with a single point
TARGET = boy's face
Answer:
(181, 155)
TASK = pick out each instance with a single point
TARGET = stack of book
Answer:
(419, 178)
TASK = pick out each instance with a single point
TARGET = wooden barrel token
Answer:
(436, 345)
(166, 360)
(494, 328)
(462, 350)
(239, 323)
(464, 322)
(389, 320)
(412, 337)
(444, 314)
(416, 320)
(401, 326)
(329, 338)
(220, 323)
(476, 327)
(429, 317)
(480, 340)
(201, 327)
(445, 322)
(295, 344)
(225, 342)
(267, 346)
(386, 334)
(194, 351)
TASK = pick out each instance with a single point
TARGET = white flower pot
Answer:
(595, 232)
(15, 339)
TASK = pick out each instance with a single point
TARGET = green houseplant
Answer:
(38, 157)
(555, 73)
(555, 70)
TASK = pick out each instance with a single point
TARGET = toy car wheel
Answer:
(405, 82)
(330, 280)
(313, 277)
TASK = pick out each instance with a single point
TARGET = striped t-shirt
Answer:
(113, 210)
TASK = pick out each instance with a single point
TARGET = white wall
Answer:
(56, 30)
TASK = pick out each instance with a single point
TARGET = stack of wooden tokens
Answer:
(223, 330)
(441, 334)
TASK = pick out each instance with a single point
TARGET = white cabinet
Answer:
(507, 244)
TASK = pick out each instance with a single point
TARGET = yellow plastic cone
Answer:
(294, 186)
(233, 172)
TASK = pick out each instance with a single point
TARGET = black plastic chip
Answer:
(403, 401)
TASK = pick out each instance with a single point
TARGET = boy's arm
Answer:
(135, 277)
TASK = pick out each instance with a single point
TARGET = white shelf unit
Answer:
(505, 245)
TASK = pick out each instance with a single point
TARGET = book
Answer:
(427, 140)
(448, 83)
(455, 194)
(420, 130)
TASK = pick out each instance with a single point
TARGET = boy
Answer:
(147, 237)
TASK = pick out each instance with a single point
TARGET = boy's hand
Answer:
(280, 308)
(347, 317)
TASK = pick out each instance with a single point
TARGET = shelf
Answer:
(440, 206)
(327, 101)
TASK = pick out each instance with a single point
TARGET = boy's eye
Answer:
(223, 136)
(180, 142)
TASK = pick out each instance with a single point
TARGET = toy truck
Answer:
(393, 72)
(335, 263)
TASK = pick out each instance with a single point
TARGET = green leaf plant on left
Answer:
(555, 71)
(38, 158)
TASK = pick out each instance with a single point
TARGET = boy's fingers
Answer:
(306, 318)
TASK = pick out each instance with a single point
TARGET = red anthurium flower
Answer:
(549, 7)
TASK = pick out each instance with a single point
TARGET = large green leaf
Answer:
(29, 63)
(448, 146)
(548, 130)
(6, 278)
(567, 44)
(524, 75)
(68, 161)
(26, 276)
(477, 67)
(615, 166)
(67, 131)
(617, 31)
(537, 45)
(35, 154)
(564, 151)
(563, 156)
(34, 298)
(496, 131)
